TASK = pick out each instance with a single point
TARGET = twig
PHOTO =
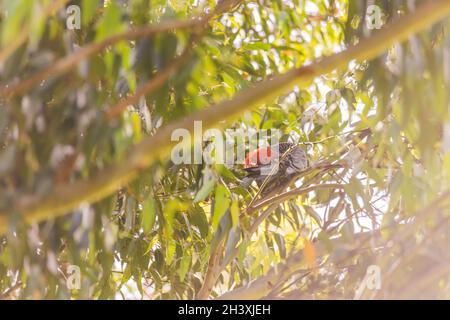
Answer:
(10, 290)
(293, 193)
(263, 216)
(150, 86)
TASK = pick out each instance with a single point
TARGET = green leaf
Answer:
(127, 274)
(110, 23)
(18, 11)
(221, 204)
(148, 214)
(88, 11)
(199, 219)
(170, 251)
(313, 214)
(279, 239)
(205, 190)
(234, 212)
(136, 124)
(258, 46)
(184, 265)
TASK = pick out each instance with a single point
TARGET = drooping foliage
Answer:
(380, 125)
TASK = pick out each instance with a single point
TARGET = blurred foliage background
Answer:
(386, 119)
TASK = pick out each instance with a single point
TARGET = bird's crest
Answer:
(258, 157)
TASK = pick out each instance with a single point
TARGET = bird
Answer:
(289, 159)
(273, 168)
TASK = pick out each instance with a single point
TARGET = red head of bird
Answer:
(258, 157)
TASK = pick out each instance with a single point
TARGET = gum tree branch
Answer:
(212, 273)
(142, 155)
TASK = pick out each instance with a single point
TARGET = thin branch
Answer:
(10, 290)
(324, 166)
(292, 194)
(263, 216)
(150, 86)
(212, 272)
(67, 197)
